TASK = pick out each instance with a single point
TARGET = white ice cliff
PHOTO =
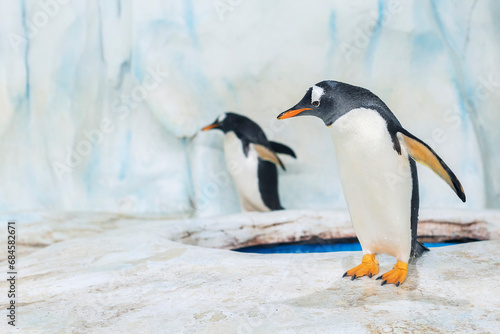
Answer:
(101, 101)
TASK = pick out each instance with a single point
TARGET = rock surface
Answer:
(127, 275)
(41, 229)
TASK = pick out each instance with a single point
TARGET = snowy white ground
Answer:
(106, 273)
(106, 98)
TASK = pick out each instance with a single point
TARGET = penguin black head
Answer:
(242, 126)
(224, 123)
(329, 100)
(229, 121)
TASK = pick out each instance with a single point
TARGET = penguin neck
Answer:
(359, 125)
(235, 133)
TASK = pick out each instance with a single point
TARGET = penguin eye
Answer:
(315, 103)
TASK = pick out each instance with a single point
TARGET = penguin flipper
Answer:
(283, 149)
(268, 185)
(267, 154)
(425, 155)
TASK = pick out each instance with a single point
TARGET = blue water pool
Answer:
(317, 248)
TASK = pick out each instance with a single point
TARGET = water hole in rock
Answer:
(325, 246)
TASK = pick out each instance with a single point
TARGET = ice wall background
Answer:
(101, 101)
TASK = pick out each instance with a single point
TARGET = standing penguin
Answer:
(375, 156)
(251, 159)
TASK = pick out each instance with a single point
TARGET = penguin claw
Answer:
(380, 277)
(397, 275)
(368, 267)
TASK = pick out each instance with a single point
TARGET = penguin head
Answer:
(239, 124)
(329, 100)
(225, 123)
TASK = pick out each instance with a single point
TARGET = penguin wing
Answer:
(267, 154)
(283, 149)
(268, 185)
(425, 155)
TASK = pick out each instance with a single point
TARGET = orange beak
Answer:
(291, 113)
(209, 127)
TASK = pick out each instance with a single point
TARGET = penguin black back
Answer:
(252, 137)
(247, 130)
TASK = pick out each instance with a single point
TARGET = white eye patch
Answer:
(316, 93)
(221, 118)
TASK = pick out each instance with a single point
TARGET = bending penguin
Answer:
(376, 161)
(251, 159)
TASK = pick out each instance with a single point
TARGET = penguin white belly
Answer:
(244, 170)
(376, 181)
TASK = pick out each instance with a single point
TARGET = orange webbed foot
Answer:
(395, 276)
(368, 267)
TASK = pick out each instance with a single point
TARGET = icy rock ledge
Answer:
(41, 229)
(124, 274)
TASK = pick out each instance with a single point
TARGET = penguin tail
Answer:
(282, 149)
(417, 251)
